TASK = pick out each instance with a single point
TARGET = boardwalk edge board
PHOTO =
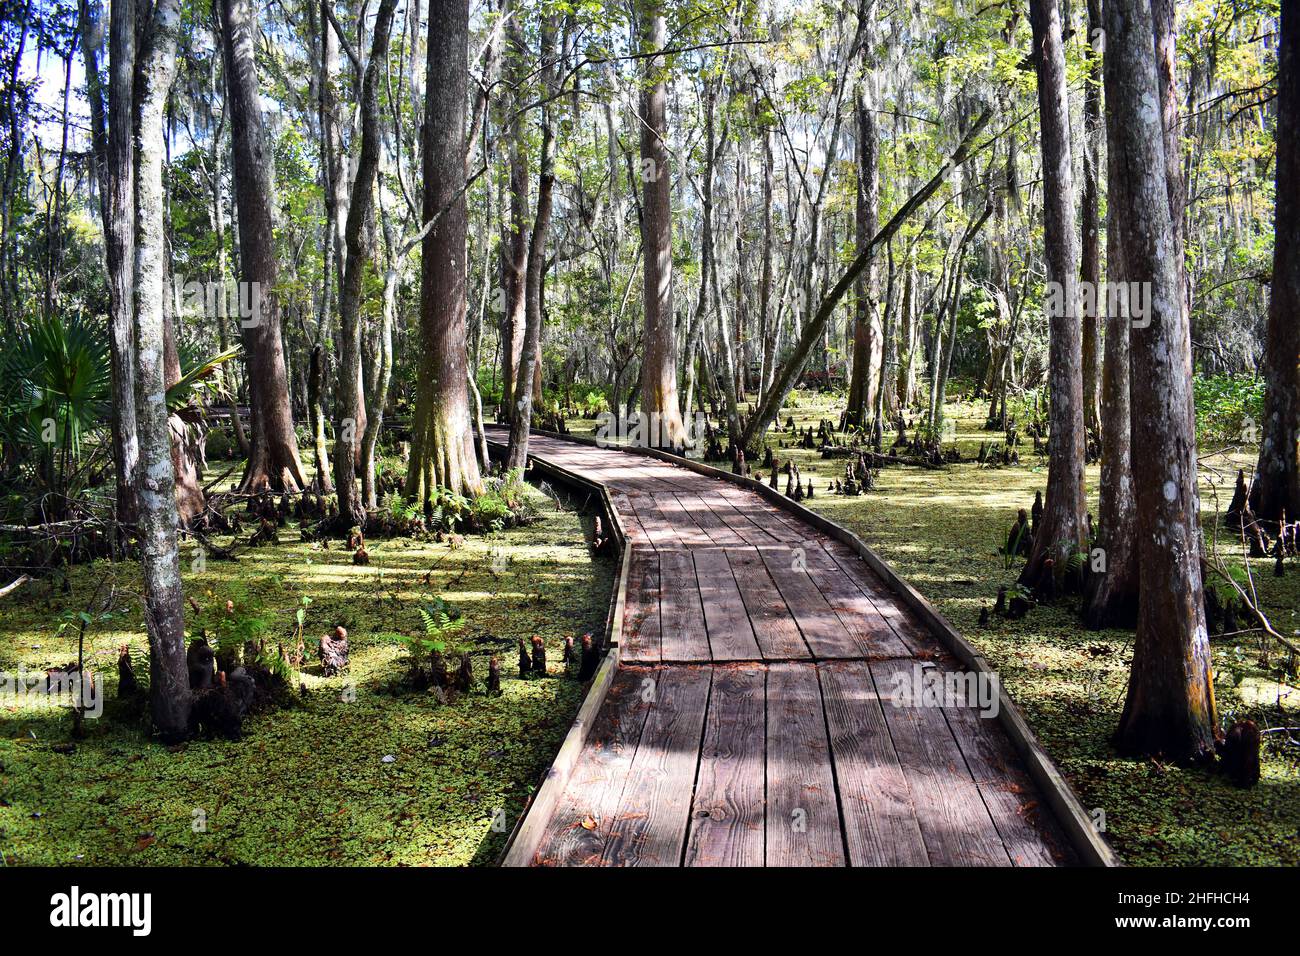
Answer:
(530, 827)
(1074, 819)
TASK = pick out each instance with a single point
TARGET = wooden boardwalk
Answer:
(755, 719)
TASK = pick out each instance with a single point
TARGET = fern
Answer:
(440, 618)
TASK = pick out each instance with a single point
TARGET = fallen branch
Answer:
(769, 406)
(218, 552)
(1217, 567)
(15, 584)
(219, 479)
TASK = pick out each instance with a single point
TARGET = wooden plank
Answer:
(955, 822)
(880, 824)
(641, 629)
(823, 631)
(530, 829)
(750, 531)
(860, 615)
(636, 532)
(911, 632)
(717, 530)
(731, 636)
(658, 528)
(774, 626)
(689, 534)
(727, 819)
(785, 527)
(1029, 833)
(577, 831)
(649, 828)
(685, 636)
(803, 820)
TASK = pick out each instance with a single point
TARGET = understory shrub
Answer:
(1229, 409)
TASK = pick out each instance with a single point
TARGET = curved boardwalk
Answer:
(752, 719)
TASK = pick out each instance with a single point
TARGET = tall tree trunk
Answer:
(169, 690)
(659, 361)
(273, 462)
(349, 429)
(514, 250)
(1164, 37)
(1111, 594)
(1060, 534)
(907, 336)
(864, 380)
(1090, 213)
(710, 287)
(886, 398)
(383, 376)
(1277, 482)
(119, 242)
(1169, 708)
(333, 168)
(527, 389)
(316, 408)
(442, 446)
(766, 334)
(229, 382)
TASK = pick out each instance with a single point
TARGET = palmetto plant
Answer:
(199, 378)
(55, 387)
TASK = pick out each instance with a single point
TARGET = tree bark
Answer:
(273, 462)
(1169, 709)
(659, 361)
(1276, 491)
(169, 692)
(349, 429)
(766, 334)
(527, 389)
(1111, 593)
(1060, 533)
(514, 250)
(868, 354)
(119, 242)
(1090, 213)
(316, 408)
(907, 335)
(442, 447)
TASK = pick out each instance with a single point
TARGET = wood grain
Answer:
(727, 820)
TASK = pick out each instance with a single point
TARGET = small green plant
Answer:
(449, 509)
(399, 509)
(1076, 561)
(240, 628)
(440, 619)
